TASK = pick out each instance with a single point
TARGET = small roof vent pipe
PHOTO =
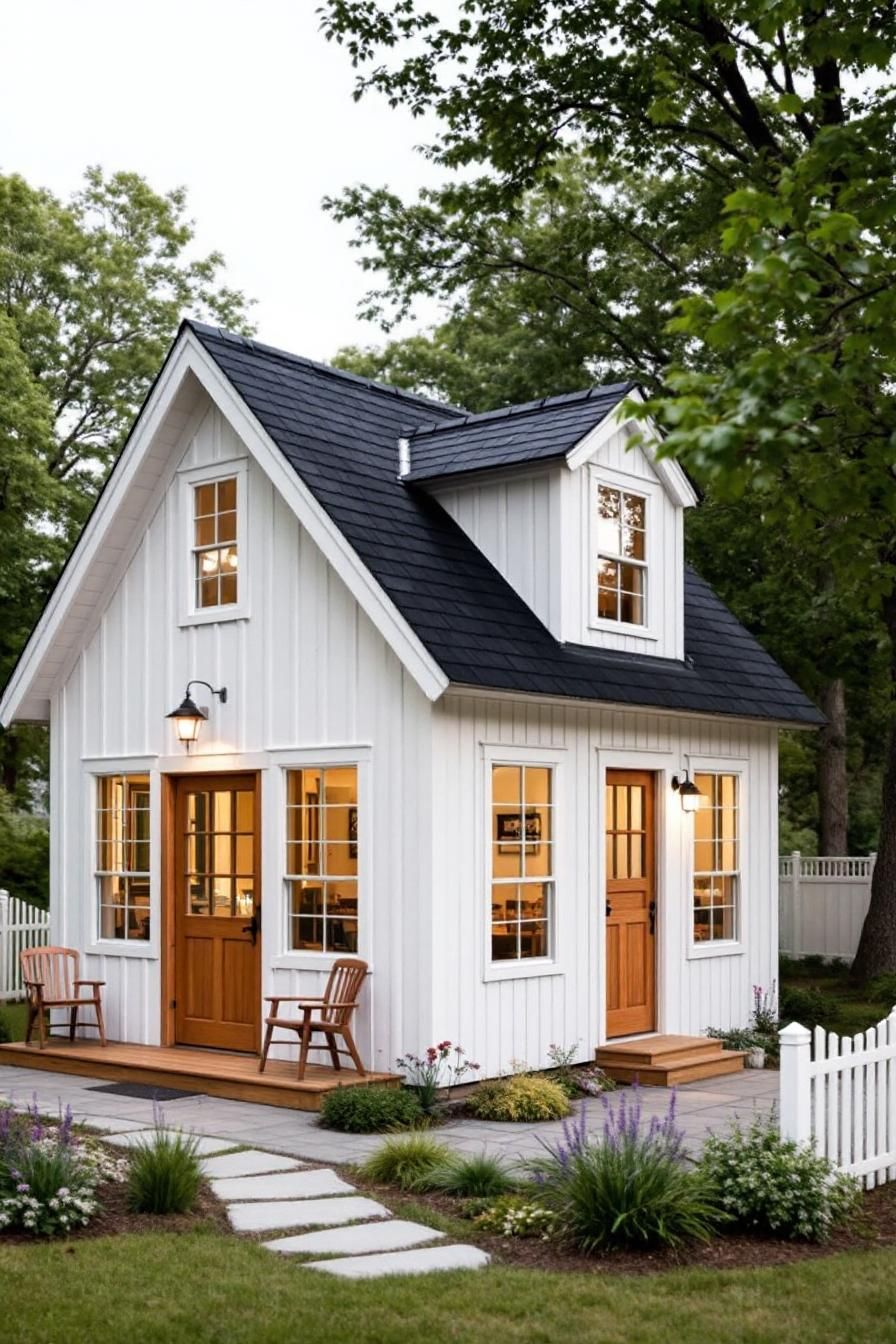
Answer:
(404, 457)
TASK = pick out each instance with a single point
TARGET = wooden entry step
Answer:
(666, 1061)
(215, 1073)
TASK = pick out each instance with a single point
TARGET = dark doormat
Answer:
(144, 1091)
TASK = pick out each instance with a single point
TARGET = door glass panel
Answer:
(220, 862)
(626, 836)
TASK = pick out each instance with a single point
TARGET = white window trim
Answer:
(524, 968)
(285, 958)
(94, 944)
(652, 494)
(190, 614)
(727, 947)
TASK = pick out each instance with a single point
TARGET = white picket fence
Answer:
(840, 1095)
(21, 925)
(822, 903)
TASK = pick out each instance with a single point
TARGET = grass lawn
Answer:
(164, 1289)
(14, 1015)
(847, 1009)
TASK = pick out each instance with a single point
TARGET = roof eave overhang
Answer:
(21, 701)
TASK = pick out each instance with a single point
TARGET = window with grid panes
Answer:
(322, 858)
(215, 553)
(123, 856)
(621, 556)
(522, 861)
(716, 858)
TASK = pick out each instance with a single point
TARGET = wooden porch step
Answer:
(666, 1061)
(215, 1073)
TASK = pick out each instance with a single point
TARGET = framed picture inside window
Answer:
(509, 828)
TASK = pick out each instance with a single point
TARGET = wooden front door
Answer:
(630, 903)
(217, 904)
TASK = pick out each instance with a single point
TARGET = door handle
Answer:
(252, 927)
(651, 913)
(609, 909)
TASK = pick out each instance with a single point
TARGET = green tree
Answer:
(780, 389)
(91, 294)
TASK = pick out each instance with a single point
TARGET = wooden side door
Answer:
(630, 902)
(217, 911)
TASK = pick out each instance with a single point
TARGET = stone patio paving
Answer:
(702, 1107)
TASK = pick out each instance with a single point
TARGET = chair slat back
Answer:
(343, 986)
(56, 968)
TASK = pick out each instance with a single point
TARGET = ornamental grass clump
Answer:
(48, 1175)
(474, 1176)
(775, 1187)
(165, 1174)
(405, 1161)
(626, 1188)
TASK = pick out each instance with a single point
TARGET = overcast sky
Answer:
(246, 105)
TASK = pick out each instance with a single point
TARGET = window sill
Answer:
(213, 616)
(623, 628)
(700, 951)
(525, 968)
(121, 947)
(309, 961)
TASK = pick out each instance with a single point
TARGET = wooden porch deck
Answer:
(216, 1073)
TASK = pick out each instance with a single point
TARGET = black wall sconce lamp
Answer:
(189, 717)
(687, 791)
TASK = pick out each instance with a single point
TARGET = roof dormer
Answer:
(570, 502)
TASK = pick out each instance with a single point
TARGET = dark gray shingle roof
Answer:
(532, 432)
(340, 434)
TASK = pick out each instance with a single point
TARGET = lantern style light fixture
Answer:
(687, 791)
(189, 717)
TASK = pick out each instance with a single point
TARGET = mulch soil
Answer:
(874, 1229)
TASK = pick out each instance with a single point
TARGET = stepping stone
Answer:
(424, 1261)
(264, 1217)
(252, 1162)
(204, 1146)
(358, 1240)
(283, 1185)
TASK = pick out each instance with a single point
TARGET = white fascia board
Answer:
(189, 356)
(670, 474)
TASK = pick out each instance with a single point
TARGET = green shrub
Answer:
(772, 1186)
(165, 1174)
(522, 1097)
(5, 1030)
(470, 1177)
(807, 1006)
(627, 1188)
(405, 1160)
(369, 1110)
(882, 989)
(517, 1216)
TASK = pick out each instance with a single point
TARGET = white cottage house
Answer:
(462, 695)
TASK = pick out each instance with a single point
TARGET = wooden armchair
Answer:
(51, 980)
(329, 1016)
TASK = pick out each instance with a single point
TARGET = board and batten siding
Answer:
(306, 670)
(518, 1018)
(536, 528)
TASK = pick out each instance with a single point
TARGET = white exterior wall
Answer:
(536, 530)
(309, 680)
(520, 1014)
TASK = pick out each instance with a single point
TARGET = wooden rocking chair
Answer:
(50, 975)
(329, 1016)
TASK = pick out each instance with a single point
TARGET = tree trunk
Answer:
(9, 760)
(833, 786)
(877, 945)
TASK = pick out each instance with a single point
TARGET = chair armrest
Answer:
(89, 982)
(336, 1003)
(290, 998)
(33, 984)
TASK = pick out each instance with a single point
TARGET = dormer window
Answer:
(620, 560)
(215, 549)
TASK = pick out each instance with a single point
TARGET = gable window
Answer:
(716, 859)
(522, 861)
(122, 856)
(621, 556)
(215, 550)
(322, 858)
